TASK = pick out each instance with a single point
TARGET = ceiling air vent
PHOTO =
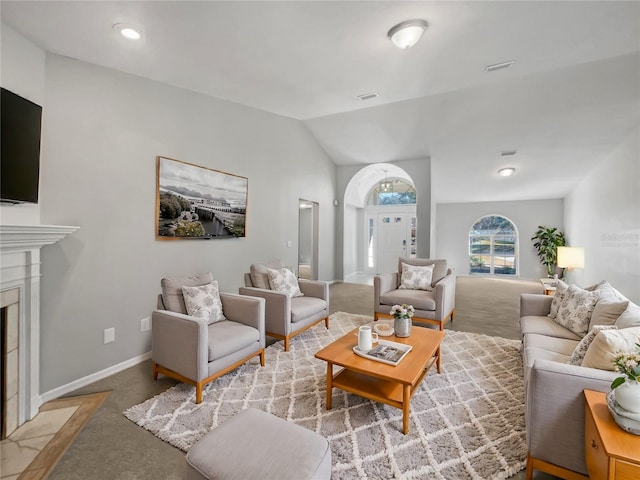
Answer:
(499, 66)
(368, 96)
(508, 153)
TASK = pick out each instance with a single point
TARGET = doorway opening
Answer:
(308, 220)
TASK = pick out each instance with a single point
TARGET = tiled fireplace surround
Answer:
(20, 300)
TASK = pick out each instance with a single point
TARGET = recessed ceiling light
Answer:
(127, 31)
(505, 172)
(368, 96)
(407, 34)
(499, 66)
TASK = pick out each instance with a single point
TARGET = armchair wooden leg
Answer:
(262, 358)
(199, 392)
(155, 371)
(529, 474)
(286, 343)
(375, 316)
(326, 322)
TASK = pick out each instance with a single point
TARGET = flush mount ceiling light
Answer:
(127, 31)
(499, 66)
(407, 34)
(505, 172)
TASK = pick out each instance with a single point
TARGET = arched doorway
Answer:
(379, 221)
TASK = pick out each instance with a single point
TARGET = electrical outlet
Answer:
(109, 335)
(145, 324)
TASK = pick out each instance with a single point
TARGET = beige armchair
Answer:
(432, 307)
(192, 351)
(285, 316)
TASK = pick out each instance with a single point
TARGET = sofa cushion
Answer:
(259, 276)
(416, 277)
(204, 302)
(304, 307)
(531, 354)
(581, 349)
(545, 326)
(439, 267)
(284, 281)
(420, 299)
(563, 346)
(561, 287)
(172, 290)
(609, 307)
(607, 344)
(227, 337)
(576, 309)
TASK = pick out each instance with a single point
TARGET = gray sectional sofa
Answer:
(554, 404)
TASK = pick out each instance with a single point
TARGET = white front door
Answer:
(392, 240)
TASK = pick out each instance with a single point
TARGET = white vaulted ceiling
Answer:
(571, 97)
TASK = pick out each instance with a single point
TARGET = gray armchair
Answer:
(188, 349)
(433, 307)
(286, 317)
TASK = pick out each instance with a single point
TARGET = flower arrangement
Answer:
(402, 311)
(629, 365)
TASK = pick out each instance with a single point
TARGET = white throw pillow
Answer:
(581, 349)
(561, 287)
(283, 280)
(609, 306)
(576, 309)
(608, 344)
(204, 302)
(416, 277)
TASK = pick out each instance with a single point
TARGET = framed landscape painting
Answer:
(198, 202)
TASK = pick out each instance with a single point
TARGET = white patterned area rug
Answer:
(467, 422)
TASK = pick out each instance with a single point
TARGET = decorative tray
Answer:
(626, 420)
(386, 351)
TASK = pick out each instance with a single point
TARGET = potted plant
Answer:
(547, 241)
(626, 389)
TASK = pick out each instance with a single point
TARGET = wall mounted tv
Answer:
(20, 148)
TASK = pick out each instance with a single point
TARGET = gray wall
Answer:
(349, 241)
(102, 132)
(603, 216)
(22, 72)
(453, 221)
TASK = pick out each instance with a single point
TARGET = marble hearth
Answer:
(20, 303)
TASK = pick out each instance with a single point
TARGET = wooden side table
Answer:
(611, 453)
(549, 285)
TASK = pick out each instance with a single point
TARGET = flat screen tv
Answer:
(20, 148)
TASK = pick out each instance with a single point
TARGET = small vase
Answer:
(402, 326)
(628, 396)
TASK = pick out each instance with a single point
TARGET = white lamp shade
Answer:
(407, 34)
(570, 257)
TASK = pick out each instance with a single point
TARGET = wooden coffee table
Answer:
(377, 381)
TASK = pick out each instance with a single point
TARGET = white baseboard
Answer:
(94, 377)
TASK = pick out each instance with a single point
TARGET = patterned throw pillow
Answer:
(561, 287)
(283, 280)
(416, 277)
(204, 302)
(576, 309)
(581, 349)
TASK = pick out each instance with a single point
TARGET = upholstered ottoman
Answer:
(257, 445)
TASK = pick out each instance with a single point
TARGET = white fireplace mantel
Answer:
(20, 269)
(27, 237)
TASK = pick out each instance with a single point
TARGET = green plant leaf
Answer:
(617, 382)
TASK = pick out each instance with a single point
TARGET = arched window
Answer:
(392, 192)
(493, 246)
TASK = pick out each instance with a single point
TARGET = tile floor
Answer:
(25, 444)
